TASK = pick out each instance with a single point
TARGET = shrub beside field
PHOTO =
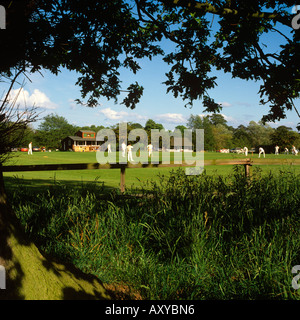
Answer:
(197, 237)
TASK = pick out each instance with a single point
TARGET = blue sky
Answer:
(240, 99)
(56, 94)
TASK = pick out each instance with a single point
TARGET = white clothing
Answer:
(276, 150)
(261, 151)
(149, 148)
(129, 153)
(30, 148)
(295, 151)
(123, 149)
(246, 151)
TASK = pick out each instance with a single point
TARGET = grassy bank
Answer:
(197, 237)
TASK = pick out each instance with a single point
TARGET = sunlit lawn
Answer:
(134, 176)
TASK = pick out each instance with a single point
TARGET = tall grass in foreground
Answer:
(192, 237)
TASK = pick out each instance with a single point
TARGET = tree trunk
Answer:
(29, 274)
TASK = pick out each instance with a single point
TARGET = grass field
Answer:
(212, 236)
(197, 237)
(134, 177)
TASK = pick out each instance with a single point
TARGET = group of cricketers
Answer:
(286, 151)
(129, 148)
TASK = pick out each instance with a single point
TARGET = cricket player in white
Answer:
(246, 151)
(109, 148)
(276, 150)
(261, 151)
(150, 149)
(294, 151)
(30, 148)
(129, 152)
(123, 149)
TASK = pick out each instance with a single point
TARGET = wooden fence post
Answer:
(247, 168)
(122, 182)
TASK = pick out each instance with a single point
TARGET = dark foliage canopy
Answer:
(99, 38)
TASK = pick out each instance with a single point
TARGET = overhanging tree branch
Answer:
(209, 8)
(10, 88)
(292, 102)
(13, 121)
(98, 38)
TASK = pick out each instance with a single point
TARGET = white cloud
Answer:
(225, 104)
(289, 124)
(72, 104)
(37, 98)
(231, 121)
(111, 114)
(175, 118)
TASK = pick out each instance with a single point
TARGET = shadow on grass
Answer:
(43, 184)
(103, 190)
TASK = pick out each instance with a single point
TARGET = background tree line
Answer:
(218, 134)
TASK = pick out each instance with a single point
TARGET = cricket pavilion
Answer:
(82, 141)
